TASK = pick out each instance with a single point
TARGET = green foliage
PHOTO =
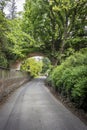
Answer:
(70, 78)
(18, 41)
(50, 27)
(14, 43)
(3, 60)
(56, 25)
(46, 65)
(79, 92)
(16, 38)
(76, 43)
(33, 66)
(3, 40)
(35, 23)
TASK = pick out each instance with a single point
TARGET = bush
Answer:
(56, 77)
(70, 78)
(79, 93)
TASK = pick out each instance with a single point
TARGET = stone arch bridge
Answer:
(17, 63)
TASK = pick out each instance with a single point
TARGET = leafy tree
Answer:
(53, 24)
(3, 39)
(68, 15)
(35, 23)
(18, 41)
(14, 43)
(32, 66)
(53, 27)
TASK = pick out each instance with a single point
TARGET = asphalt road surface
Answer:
(33, 107)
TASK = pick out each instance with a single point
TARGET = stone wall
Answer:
(10, 80)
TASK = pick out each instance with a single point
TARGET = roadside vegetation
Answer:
(70, 79)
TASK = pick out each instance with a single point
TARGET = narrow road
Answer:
(33, 107)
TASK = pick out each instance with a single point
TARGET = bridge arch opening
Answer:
(36, 62)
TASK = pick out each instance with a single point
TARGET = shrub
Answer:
(56, 77)
(79, 92)
(70, 78)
